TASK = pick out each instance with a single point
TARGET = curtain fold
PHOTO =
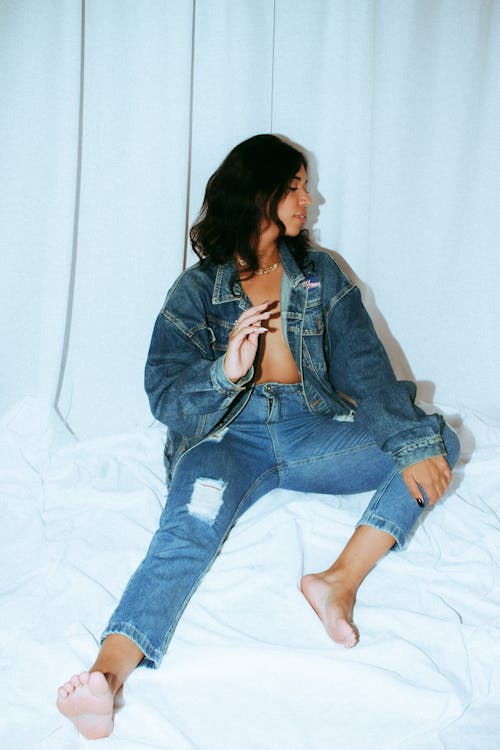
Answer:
(133, 203)
(397, 104)
(40, 63)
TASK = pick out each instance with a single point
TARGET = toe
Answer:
(75, 681)
(98, 684)
(351, 639)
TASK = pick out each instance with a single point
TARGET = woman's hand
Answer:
(433, 475)
(243, 341)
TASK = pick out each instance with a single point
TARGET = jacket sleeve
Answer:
(360, 367)
(187, 388)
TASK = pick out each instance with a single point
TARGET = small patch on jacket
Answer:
(311, 282)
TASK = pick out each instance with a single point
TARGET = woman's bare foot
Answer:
(332, 593)
(333, 602)
(87, 700)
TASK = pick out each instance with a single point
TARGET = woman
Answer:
(266, 368)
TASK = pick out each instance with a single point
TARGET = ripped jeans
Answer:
(274, 442)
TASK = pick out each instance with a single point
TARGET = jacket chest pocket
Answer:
(313, 319)
(211, 341)
(313, 325)
(312, 338)
(218, 331)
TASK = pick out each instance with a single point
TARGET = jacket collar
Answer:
(228, 289)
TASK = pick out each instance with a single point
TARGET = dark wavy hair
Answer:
(248, 186)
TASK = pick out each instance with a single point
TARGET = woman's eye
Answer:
(292, 189)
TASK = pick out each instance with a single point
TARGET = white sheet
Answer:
(250, 667)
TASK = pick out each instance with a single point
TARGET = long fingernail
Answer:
(420, 501)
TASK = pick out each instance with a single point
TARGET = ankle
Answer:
(114, 682)
(341, 577)
(117, 658)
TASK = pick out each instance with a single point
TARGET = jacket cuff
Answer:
(221, 382)
(419, 451)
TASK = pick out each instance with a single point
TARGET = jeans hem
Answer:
(152, 655)
(383, 524)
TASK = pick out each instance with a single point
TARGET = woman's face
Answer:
(292, 209)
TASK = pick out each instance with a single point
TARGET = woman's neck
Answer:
(267, 250)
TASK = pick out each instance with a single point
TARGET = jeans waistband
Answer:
(272, 387)
(272, 401)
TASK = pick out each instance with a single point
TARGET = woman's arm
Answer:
(188, 389)
(244, 340)
(359, 366)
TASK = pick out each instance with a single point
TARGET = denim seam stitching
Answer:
(354, 449)
(185, 332)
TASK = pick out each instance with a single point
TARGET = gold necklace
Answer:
(259, 271)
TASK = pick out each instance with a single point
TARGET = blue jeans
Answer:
(274, 442)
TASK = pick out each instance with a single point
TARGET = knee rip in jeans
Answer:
(206, 499)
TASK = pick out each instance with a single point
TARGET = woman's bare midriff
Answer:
(276, 363)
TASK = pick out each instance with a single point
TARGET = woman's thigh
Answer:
(342, 458)
(333, 457)
(217, 479)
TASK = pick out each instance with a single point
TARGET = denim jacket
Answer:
(332, 341)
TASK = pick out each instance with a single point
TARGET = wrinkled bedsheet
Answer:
(250, 666)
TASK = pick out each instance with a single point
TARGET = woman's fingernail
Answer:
(420, 501)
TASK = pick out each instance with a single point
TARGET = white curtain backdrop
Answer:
(114, 113)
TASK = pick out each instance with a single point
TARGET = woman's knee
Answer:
(451, 444)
